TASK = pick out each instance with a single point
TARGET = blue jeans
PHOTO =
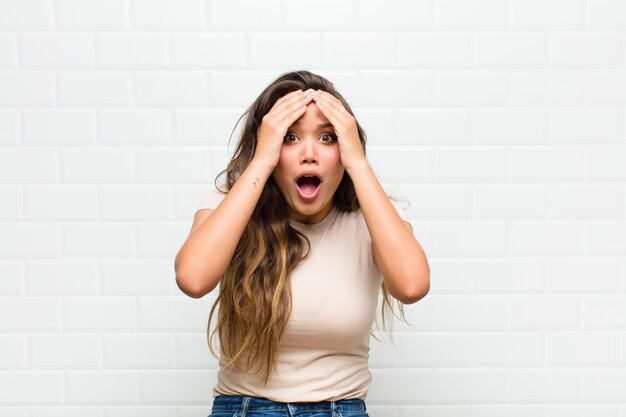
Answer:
(242, 406)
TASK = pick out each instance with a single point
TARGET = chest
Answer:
(334, 294)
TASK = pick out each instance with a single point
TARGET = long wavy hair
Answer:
(254, 300)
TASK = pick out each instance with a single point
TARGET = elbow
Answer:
(192, 287)
(188, 288)
(416, 291)
(189, 280)
(411, 297)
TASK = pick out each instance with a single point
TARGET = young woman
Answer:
(301, 240)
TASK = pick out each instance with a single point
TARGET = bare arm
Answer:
(399, 256)
(209, 248)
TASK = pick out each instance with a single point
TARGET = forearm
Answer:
(207, 252)
(400, 258)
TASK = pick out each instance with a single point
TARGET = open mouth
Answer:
(308, 184)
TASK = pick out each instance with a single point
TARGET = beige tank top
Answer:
(323, 355)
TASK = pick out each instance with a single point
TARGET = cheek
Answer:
(333, 157)
(332, 161)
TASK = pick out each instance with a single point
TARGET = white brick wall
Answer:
(503, 121)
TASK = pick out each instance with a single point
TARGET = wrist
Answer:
(262, 167)
(358, 166)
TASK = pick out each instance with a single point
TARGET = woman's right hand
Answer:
(275, 123)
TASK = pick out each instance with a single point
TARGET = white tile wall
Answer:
(606, 14)
(487, 14)
(93, 88)
(27, 14)
(132, 50)
(503, 121)
(549, 14)
(56, 50)
(91, 14)
(27, 88)
(163, 14)
(208, 50)
(8, 50)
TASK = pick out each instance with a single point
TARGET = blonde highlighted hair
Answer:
(254, 300)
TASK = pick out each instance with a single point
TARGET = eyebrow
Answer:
(319, 126)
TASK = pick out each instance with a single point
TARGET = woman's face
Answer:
(310, 149)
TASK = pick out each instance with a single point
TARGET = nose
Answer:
(309, 152)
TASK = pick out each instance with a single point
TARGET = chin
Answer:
(309, 209)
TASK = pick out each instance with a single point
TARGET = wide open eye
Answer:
(328, 138)
(289, 138)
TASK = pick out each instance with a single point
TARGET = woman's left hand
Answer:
(344, 123)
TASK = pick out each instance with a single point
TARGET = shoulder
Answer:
(401, 205)
(355, 221)
(350, 226)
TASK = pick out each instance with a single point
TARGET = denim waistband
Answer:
(232, 403)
